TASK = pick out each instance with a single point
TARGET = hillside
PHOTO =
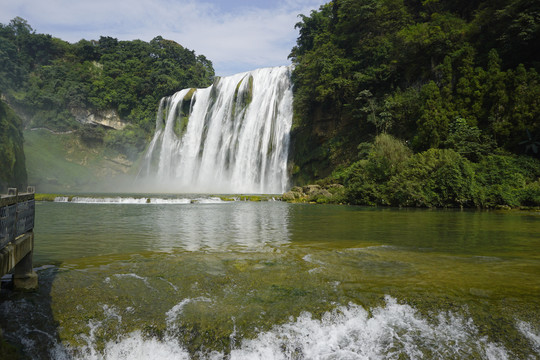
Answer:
(420, 103)
(12, 160)
(100, 94)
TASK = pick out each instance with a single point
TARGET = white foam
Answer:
(140, 201)
(210, 200)
(134, 347)
(134, 276)
(309, 258)
(120, 200)
(349, 332)
(177, 310)
(111, 312)
(533, 335)
(160, 201)
(170, 283)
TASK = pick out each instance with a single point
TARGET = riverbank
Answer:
(338, 194)
(309, 194)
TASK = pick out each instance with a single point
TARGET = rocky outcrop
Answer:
(107, 118)
(333, 193)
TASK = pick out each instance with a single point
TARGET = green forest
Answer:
(422, 103)
(46, 80)
(12, 161)
(430, 103)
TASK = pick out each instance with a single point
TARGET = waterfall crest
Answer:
(232, 137)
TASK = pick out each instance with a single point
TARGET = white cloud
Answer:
(235, 40)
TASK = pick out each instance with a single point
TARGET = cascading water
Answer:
(232, 137)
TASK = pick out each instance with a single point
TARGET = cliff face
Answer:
(107, 118)
(320, 142)
(12, 161)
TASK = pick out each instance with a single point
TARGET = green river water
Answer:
(208, 279)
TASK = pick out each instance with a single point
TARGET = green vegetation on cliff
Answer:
(68, 89)
(420, 103)
(12, 160)
(50, 80)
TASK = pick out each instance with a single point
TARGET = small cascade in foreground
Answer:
(232, 137)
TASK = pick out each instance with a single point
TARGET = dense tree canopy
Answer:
(46, 77)
(12, 161)
(457, 80)
(47, 81)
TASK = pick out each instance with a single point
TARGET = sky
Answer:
(236, 35)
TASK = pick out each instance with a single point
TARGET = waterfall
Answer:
(232, 137)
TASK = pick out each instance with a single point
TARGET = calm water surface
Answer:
(270, 280)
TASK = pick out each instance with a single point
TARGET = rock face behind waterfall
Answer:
(232, 137)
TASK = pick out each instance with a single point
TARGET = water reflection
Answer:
(258, 265)
(68, 231)
(448, 231)
(219, 227)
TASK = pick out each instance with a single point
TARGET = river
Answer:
(202, 278)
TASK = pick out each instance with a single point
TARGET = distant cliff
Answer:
(86, 107)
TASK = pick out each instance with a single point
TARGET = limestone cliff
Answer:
(107, 118)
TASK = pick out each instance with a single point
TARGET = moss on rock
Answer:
(189, 95)
(12, 158)
(332, 193)
(243, 95)
(8, 351)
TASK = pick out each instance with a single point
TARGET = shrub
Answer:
(386, 157)
(435, 178)
(366, 193)
(366, 179)
(503, 179)
(530, 194)
(468, 141)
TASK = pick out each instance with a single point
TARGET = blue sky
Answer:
(236, 35)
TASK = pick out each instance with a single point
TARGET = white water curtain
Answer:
(232, 137)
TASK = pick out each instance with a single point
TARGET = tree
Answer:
(12, 160)
(433, 123)
(468, 141)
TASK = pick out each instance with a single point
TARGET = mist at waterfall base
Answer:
(232, 137)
